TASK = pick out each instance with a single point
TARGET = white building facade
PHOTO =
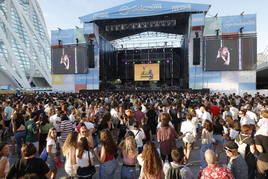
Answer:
(25, 59)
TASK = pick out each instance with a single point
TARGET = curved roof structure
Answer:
(139, 8)
(24, 45)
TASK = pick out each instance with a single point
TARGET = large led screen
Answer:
(230, 54)
(69, 60)
(146, 72)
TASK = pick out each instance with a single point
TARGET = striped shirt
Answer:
(66, 127)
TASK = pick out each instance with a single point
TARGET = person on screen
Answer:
(151, 74)
(223, 56)
(65, 61)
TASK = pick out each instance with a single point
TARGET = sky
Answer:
(64, 13)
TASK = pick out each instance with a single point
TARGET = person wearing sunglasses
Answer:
(237, 163)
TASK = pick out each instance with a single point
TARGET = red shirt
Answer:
(215, 172)
(215, 110)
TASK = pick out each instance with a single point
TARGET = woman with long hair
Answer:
(28, 164)
(68, 150)
(84, 132)
(129, 157)
(4, 163)
(84, 158)
(106, 154)
(52, 150)
(44, 126)
(150, 162)
(207, 141)
(18, 123)
(166, 136)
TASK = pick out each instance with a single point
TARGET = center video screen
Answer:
(69, 60)
(228, 55)
(147, 72)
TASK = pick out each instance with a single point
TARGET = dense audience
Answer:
(149, 135)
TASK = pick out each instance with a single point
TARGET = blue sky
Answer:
(65, 13)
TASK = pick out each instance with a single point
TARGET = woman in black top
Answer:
(28, 164)
(19, 130)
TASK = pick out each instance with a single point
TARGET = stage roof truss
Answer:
(149, 39)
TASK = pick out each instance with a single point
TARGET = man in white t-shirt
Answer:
(234, 111)
(205, 115)
(56, 120)
(251, 114)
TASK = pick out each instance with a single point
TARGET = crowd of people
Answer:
(138, 134)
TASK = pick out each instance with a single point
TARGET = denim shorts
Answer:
(51, 163)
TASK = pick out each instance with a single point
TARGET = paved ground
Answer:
(194, 162)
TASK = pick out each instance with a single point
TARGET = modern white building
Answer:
(24, 45)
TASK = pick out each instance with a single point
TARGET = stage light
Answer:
(158, 61)
(167, 61)
(217, 32)
(196, 34)
(241, 30)
(125, 63)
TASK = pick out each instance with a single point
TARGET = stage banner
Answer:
(232, 24)
(65, 36)
(144, 8)
(146, 72)
(198, 20)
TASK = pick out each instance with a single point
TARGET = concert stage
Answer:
(156, 45)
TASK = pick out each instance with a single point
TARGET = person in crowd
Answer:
(66, 127)
(205, 115)
(244, 119)
(261, 142)
(188, 129)
(56, 120)
(4, 162)
(44, 126)
(32, 131)
(53, 152)
(84, 132)
(234, 110)
(213, 170)
(166, 136)
(246, 148)
(150, 162)
(84, 158)
(146, 129)
(28, 164)
(236, 164)
(176, 168)
(218, 135)
(139, 136)
(129, 156)
(152, 120)
(250, 114)
(7, 116)
(18, 123)
(207, 141)
(106, 154)
(69, 151)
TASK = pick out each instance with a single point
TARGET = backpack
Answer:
(174, 172)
